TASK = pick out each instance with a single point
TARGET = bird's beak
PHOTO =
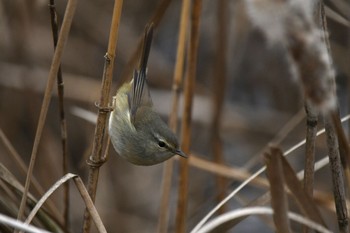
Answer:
(181, 153)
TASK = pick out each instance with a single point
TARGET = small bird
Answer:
(137, 132)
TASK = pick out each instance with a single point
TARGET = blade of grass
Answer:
(186, 124)
(67, 21)
(63, 124)
(10, 181)
(279, 202)
(210, 227)
(97, 157)
(19, 225)
(23, 168)
(84, 194)
(177, 84)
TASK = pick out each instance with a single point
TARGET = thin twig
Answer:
(177, 84)
(63, 124)
(186, 124)
(97, 157)
(68, 17)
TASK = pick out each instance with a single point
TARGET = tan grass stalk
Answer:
(177, 87)
(97, 157)
(219, 84)
(279, 201)
(68, 17)
(186, 124)
(63, 124)
(303, 198)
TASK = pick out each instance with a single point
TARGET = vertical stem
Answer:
(97, 157)
(337, 175)
(186, 124)
(332, 141)
(219, 84)
(60, 90)
(278, 196)
(311, 130)
(177, 84)
(68, 17)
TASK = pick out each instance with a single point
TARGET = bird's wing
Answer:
(139, 95)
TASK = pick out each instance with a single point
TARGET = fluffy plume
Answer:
(291, 24)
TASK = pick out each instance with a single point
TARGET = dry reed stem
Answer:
(155, 20)
(311, 130)
(337, 176)
(304, 200)
(187, 112)
(219, 84)
(97, 157)
(63, 124)
(23, 168)
(68, 17)
(332, 140)
(279, 202)
(177, 87)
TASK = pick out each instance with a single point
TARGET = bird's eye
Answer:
(161, 144)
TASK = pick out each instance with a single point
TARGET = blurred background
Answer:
(260, 98)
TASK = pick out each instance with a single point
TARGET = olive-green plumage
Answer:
(137, 132)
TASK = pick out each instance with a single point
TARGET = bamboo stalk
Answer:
(97, 157)
(177, 84)
(186, 124)
(63, 124)
(68, 17)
